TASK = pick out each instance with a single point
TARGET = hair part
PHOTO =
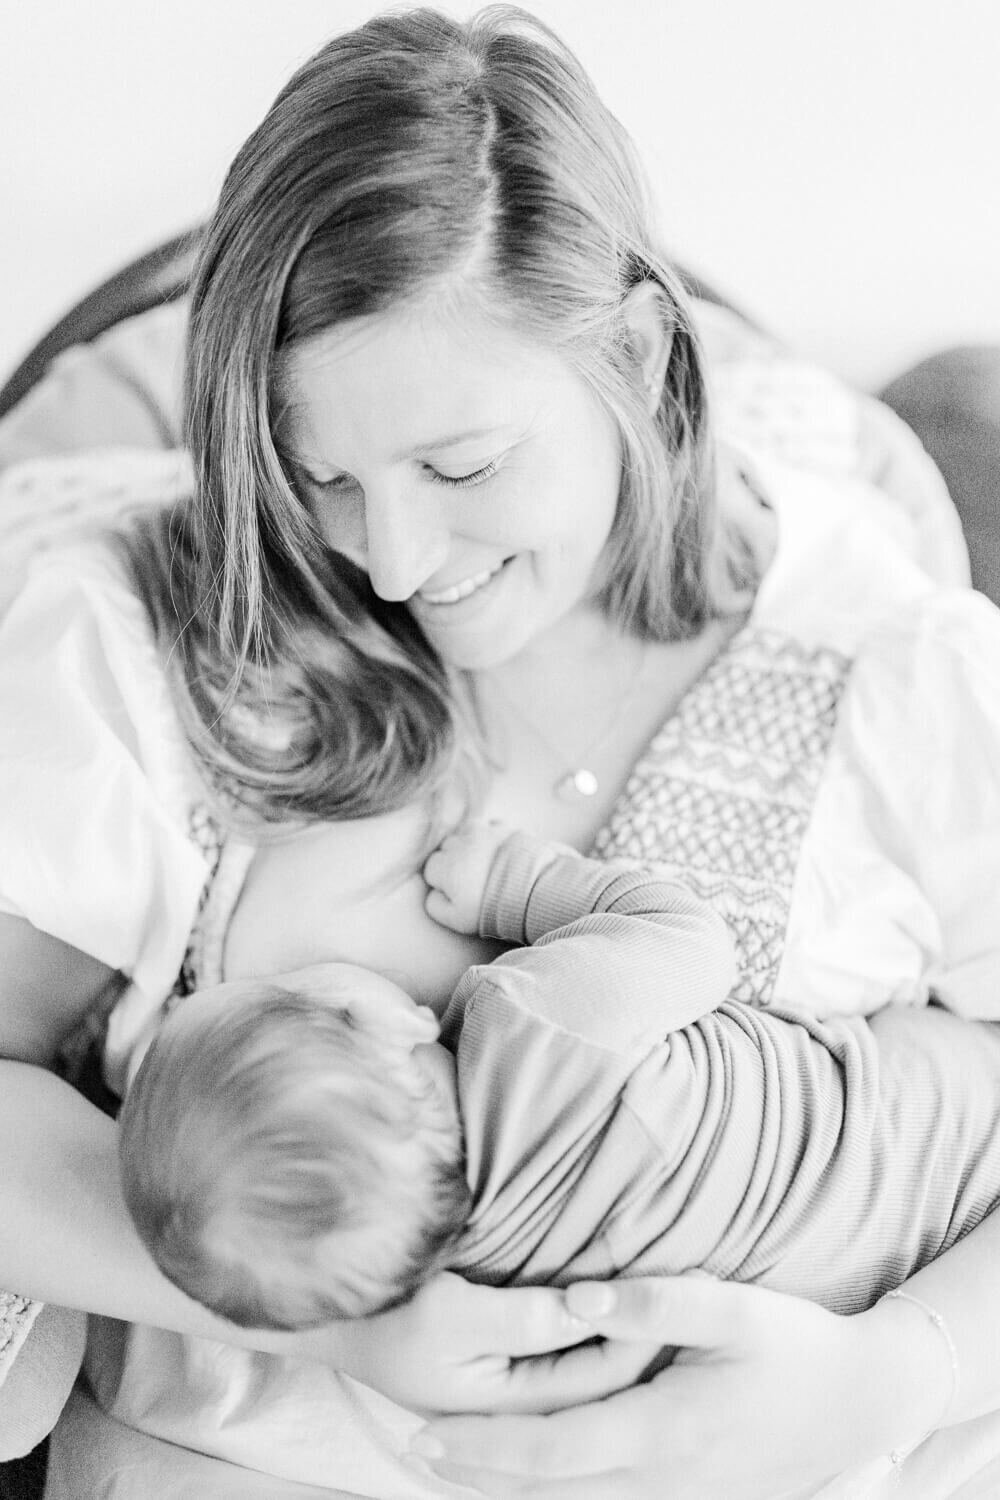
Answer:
(285, 1167)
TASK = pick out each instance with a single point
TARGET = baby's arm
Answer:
(617, 956)
(828, 1160)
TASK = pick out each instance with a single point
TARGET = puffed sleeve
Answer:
(899, 880)
(95, 780)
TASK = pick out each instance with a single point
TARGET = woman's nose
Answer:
(406, 541)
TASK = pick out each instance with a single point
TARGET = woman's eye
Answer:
(340, 487)
(462, 481)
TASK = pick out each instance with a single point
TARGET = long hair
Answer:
(407, 155)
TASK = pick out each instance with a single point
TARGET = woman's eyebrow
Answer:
(455, 439)
(436, 445)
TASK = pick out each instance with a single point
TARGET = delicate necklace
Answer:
(577, 781)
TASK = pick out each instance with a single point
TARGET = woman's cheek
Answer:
(341, 521)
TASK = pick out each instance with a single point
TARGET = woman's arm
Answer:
(772, 1391)
(962, 1286)
(45, 988)
(66, 1237)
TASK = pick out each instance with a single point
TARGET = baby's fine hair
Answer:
(284, 1166)
(416, 158)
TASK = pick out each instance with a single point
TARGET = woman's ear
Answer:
(647, 320)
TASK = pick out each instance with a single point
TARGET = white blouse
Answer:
(895, 889)
(891, 883)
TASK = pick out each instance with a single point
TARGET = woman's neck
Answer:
(564, 727)
(567, 719)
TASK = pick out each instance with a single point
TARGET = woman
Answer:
(458, 520)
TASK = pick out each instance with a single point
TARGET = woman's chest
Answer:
(349, 892)
(742, 787)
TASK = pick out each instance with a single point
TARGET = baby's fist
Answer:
(457, 873)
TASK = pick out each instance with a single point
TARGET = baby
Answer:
(305, 1148)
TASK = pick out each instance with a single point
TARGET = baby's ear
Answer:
(410, 1025)
(373, 1002)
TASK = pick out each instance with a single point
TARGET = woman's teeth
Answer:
(460, 590)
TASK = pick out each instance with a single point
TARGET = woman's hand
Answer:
(457, 873)
(458, 1347)
(769, 1394)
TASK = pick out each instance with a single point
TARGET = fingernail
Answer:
(590, 1300)
(424, 1445)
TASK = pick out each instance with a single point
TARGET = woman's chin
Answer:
(466, 653)
(483, 629)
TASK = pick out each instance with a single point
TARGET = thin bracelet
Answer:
(897, 1455)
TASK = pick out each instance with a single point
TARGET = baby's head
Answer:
(291, 1151)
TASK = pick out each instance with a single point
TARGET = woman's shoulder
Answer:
(74, 638)
(895, 892)
(53, 510)
(96, 778)
(67, 602)
(921, 706)
(82, 578)
(81, 671)
(848, 564)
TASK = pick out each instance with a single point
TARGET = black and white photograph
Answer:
(500, 750)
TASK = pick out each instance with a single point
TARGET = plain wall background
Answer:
(833, 167)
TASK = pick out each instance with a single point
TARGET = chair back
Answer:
(161, 275)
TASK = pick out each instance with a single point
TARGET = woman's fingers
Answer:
(574, 1445)
(614, 1484)
(512, 1349)
(579, 1375)
(512, 1321)
(794, 1386)
(525, 1447)
(693, 1310)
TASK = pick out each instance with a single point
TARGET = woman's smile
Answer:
(469, 623)
(469, 470)
(454, 593)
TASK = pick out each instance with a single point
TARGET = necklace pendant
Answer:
(577, 786)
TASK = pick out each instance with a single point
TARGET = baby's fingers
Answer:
(440, 906)
(437, 868)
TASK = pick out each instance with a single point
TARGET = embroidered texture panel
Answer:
(722, 798)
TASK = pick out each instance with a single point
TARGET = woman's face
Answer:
(469, 471)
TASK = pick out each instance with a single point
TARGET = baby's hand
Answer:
(457, 873)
